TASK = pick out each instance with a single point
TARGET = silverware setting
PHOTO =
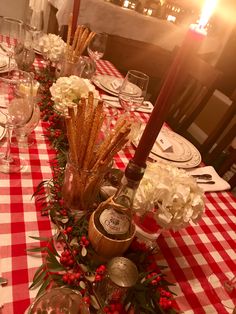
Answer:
(3, 281)
(205, 182)
(109, 100)
(204, 176)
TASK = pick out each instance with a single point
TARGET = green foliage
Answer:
(72, 238)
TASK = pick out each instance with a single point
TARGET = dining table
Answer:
(195, 256)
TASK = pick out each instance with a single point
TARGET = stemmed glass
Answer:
(97, 46)
(24, 134)
(12, 32)
(131, 96)
(16, 108)
(224, 287)
(35, 27)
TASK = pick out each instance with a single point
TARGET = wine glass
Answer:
(131, 95)
(16, 108)
(224, 285)
(35, 28)
(12, 32)
(24, 133)
(97, 46)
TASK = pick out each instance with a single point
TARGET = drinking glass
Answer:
(35, 23)
(97, 46)
(131, 96)
(224, 285)
(24, 134)
(12, 32)
(16, 108)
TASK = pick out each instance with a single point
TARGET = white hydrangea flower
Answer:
(172, 194)
(68, 90)
(52, 46)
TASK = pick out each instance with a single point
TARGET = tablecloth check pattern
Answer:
(191, 255)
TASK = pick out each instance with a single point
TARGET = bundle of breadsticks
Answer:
(81, 39)
(90, 159)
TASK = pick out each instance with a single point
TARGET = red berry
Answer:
(65, 278)
(86, 300)
(98, 278)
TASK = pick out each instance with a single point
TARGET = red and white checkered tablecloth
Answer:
(192, 255)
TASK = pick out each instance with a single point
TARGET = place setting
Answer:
(5, 65)
(112, 86)
(172, 148)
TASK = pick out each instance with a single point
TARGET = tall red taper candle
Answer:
(191, 43)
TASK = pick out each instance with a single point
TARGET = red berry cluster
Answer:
(67, 258)
(154, 281)
(114, 308)
(100, 273)
(165, 303)
(63, 211)
(72, 279)
(68, 230)
(84, 241)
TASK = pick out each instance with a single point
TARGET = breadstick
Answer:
(71, 139)
(71, 113)
(82, 41)
(80, 129)
(88, 123)
(97, 122)
(89, 38)
(69, 34)
(81, 31)
(113, 144)
(119, 125)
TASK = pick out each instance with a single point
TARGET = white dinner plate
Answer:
(104, 83)
(179, 144)
(5, 68)
(179, 150)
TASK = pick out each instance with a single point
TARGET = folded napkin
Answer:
(219, 185)
(163, 142)
(113, 101)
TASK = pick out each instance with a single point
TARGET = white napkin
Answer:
(116, 84)
(163, 142)
(220, 184)
(114, 102)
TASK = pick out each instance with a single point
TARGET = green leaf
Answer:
(38, 279)
(44, 286)
(53, 267)
(37, 249)
(40, 238)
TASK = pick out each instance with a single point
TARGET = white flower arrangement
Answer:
(67, 90)
(52, 46)
(171, 194)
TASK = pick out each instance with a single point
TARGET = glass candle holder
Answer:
(79, 66)
(81, 187)
(59, 300)
(121, 275)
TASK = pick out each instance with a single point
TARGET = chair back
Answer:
(197, 85)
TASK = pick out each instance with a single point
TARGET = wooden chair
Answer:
(192, 96)
(198, 82)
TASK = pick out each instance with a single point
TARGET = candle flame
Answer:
(207, 10)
